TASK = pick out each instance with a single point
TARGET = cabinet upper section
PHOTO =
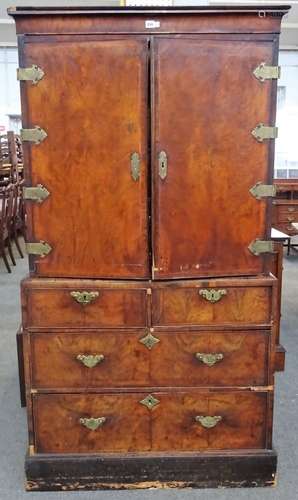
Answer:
(233, 19)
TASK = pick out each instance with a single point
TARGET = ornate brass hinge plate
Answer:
(33, 74)
(40, 248)
(90, 360)
(212, 295)
(149, 341)
(92, 423)
(35, 135)
(263, 132)
(258, 247)
(209, 359)
(38, 193)
(162, 165)
(149, 401)
(84, 297)
(264, 72)
(260, 190)
(207, 421)
(135, 166)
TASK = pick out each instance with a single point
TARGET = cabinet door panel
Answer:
(92, 103)
(206, 104)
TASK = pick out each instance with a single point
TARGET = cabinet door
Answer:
(92, 103)
(206, 102)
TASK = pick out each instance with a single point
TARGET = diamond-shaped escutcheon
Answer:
(150, 401)
(149, 340)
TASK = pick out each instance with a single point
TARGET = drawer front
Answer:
(286, 227)
(104, 307)
(205, 359)
(212, 305)
(59, 428)
(178, 421)
(113, 359)
(90, 359)
(285, 211)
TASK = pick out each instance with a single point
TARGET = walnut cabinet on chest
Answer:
(150, 314)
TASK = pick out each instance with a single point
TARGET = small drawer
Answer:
(220, 302)
(91, 423)
(86, 303)
(159, 421)
(112, 359)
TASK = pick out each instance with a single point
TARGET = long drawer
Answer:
(83, 303)
(129, 422)
(98, 304)
(214, 302)
(112, 359)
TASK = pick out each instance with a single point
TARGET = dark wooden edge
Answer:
(76, 9)
(90, 472)
(280, 358)
(20, 352)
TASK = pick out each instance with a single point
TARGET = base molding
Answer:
(111, 471)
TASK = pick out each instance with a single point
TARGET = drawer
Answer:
(59, 427)
(286, 227)
(180, 423)
(88, 360)
(219, 302)
(285, 211)
(113, 359)
(82, 303)
(177, 421)
(204, 359)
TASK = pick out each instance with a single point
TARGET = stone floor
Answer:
(13, 418)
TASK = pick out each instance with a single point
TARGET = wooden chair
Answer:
(17, 224)
(6, 213)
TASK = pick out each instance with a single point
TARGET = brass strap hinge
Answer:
(33, 74)
(40, 248)
(35, 135)
(261, 246)
(260, 190)
(262, 132)
(264, 72)
(38, 193)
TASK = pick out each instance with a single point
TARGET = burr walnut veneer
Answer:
(150, 317)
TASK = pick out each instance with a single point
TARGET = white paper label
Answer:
(152, 24)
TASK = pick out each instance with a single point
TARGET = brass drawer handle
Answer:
(291, 219)
(207, 421)
(291, 209)
(90, 360)
(209, 359)
(212, 295)
(92, 423)
(84, 297)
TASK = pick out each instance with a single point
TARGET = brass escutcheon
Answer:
(84, 297)
(92, 423)
(207, 421)
(209, 359)
(212, 295)
(90, 360)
